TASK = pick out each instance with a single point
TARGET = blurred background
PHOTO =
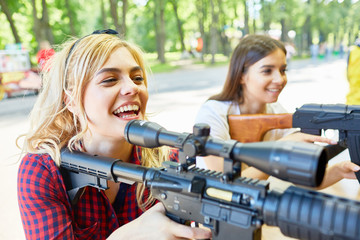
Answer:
(170, 29)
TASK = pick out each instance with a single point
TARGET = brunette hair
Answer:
(249, 50)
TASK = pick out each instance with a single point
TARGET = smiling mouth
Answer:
(273, 90)
(127, 111)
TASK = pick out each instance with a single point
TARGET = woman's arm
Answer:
(304, 137)
(42, 206)
(153, 224)
(338, 171)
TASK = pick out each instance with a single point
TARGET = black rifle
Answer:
(232, 207)
(313, 118)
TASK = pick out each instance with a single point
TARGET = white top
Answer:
(214, 113)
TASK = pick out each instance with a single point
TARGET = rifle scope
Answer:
(297, 162)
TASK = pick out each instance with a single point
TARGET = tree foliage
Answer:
(167, 25)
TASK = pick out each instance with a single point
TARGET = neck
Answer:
(121, 149)
(252, 108)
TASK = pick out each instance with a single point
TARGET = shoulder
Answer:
(215, 113)
(216, 104)
(213, 109)
(38, 168)
(34, 160)
(355, 51)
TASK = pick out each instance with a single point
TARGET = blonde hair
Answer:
(52, 125)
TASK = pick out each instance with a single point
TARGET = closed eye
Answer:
(267, 71)
(109, 80)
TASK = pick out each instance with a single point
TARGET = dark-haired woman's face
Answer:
(265, 79)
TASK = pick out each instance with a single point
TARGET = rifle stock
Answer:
(252, 127)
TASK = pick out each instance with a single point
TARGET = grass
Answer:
(175, 61)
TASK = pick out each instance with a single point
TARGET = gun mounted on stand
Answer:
(231, 206)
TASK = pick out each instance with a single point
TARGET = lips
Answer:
(273, 89)
(127, 111)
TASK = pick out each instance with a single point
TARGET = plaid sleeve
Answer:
(44, 210)
(174, 155)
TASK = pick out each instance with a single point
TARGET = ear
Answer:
(242, 79)
(69, 101)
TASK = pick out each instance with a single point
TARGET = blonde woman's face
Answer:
(265, 79)
(116, 95)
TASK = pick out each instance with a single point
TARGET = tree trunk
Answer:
(179, 24)
(246, 18)
(71, 19)
(37, 23)
(114, 15)
(45, 23)
(254, 20)
(213, 37)
(124, 12)
(103, 15)
(284, 37)
(266, 15)
(8, 15)
(42, 29)
(160, 29)
(162, 35)
(224, 39)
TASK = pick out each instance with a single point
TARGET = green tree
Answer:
(42, 28)
(6, 6)
(159, 22)
(174, 3)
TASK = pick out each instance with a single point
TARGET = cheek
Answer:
(88, 99)
(254, 82)
(285, 81)
(94, 101)
(144, 96)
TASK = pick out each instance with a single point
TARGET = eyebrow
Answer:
(272, 66)
(134, 69)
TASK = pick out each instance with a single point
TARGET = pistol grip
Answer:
(353, 144)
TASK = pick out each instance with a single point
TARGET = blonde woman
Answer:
(95, 85)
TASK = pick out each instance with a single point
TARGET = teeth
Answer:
(274, 90)
(126, 108)
(127, 116)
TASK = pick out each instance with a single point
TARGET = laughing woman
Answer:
(95, 86)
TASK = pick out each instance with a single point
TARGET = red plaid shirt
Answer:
(46, 210)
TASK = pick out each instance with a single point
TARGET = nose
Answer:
(280, 77)
(128, 87)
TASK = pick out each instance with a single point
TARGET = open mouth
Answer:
(273, 89)
(127, 111)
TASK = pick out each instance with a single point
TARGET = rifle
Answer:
(229, 205)
(313, 118)
(260, 124)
